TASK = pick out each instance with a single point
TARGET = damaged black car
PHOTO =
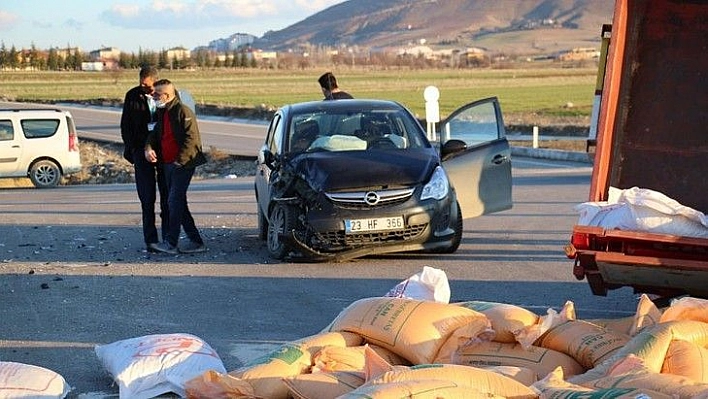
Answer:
(343, 179)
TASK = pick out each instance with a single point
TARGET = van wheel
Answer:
(45, 174)
(281, 223)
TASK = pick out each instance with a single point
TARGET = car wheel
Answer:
(457, 238)
(281, 222)
(45, 174)
(262, 225)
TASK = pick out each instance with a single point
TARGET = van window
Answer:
(39, 128)
(6, 131)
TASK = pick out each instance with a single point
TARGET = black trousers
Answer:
(149, 180)
(178, 179)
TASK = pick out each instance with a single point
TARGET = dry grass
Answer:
(545, 92)
(563, 145)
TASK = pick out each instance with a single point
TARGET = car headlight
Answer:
(438, 186)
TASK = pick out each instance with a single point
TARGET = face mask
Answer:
(161, 101)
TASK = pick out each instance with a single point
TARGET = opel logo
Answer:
(371, 198)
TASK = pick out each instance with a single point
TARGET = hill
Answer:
(500, 26)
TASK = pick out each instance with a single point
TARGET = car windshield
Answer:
(337, 130)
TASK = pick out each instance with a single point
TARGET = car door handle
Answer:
(499, 159)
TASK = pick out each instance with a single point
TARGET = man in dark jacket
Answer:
(330, 89)
(135, 122)
(176, 145)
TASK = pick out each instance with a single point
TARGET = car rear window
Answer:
(6, 130)
(39, 128)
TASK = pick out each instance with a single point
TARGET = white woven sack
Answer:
(428, 285)
(18, 380)
(148, 366)
(641, 209)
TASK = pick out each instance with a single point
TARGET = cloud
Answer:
(73, 24)
(315, 5)
(195, 14)
(7, 20)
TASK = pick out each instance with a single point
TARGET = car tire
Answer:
(45, 174)
(281, 221)
(457, 238)
(262, 225)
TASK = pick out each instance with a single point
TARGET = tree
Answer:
(12, 61)
(70, 60)
(3, 55)
(36, 61)
(125, 60)
(53, 60)
(162, 61)
(234, 59)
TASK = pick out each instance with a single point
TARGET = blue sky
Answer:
(148, 24)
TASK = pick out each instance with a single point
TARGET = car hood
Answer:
(333, 171)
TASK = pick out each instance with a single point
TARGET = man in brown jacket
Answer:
(176, 144)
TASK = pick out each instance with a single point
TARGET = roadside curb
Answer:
(557, 155)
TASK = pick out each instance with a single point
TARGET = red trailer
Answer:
(652, 132)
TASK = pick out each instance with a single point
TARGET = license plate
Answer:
(374, 224)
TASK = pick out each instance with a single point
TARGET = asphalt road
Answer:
(243, 138)
(73, 272)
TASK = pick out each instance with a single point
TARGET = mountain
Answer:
(518, 26)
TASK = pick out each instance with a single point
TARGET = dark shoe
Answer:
(152, 247)
(192, 247)
(166, 248)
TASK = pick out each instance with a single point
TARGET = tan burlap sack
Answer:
(528, 335)
(265, 373)
(416, 330)
(687, 359)
(506, 319)
(555, 387)
(541, 360)
(587, 343)
(474, 378)
(631, 372)
(521, 374)
(215, 385)
(619, 326)
(323, 385)
(351, 358)
(650, 346)
(646, 315)
(686, 308)
(423, 389)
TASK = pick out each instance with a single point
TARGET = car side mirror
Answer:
(451, 148)
(269, 159)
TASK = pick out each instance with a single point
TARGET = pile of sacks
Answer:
(388, 347)
(413, 343)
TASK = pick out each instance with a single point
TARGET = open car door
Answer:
(477, 157)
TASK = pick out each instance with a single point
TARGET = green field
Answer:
(545, 92)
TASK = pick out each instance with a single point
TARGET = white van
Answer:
(38, 143)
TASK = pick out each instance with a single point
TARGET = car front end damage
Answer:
(335, 219)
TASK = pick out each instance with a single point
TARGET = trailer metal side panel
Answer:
(653, 132)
